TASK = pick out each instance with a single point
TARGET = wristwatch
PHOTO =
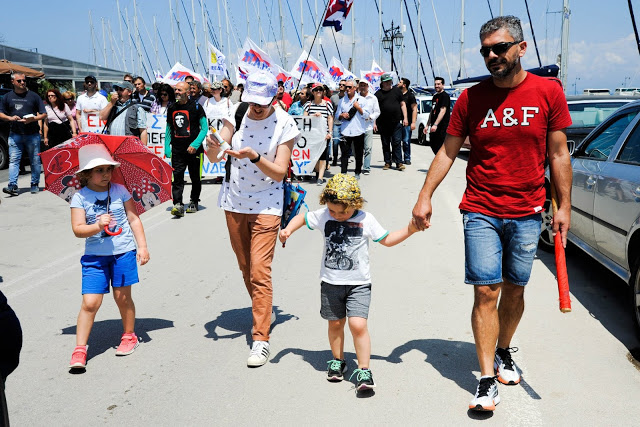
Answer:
(257, 159)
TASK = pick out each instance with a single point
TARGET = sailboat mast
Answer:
(93, 42)
(444, 52)
(301, 24)
(173, 34)
(353, 37)
(246, 7)
(133, 64)
(226, 11)
(380, 31)
(179, 32)
(139, 41)
(206, 40)
(284, 54)
(124, 60)
(401, 47)
(564, 56)
(419, 49)
(104, 42)
(195, 34)
(155, 44)
(461, 73)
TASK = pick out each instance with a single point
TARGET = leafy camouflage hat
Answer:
(344, 187)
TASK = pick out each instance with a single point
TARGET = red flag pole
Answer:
(561, 261)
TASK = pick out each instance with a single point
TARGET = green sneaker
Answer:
(364, 379)
(336, 370)
(177, 210)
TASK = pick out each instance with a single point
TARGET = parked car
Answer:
(588, 111)
(605, 196)
(4, 137)
(424, 109)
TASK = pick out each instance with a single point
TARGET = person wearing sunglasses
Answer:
(515, 122)
(59, 125)
(217, 107)
(165, 97)
(261, 140)
(89, 105)
(23, 109)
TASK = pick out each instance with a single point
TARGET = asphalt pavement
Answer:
(193, 316)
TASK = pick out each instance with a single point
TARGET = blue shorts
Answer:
(499, 249)
(100, 271)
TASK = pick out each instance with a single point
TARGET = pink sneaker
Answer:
(79, 357)
(127, 345)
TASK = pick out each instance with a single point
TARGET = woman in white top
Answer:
(217, 107)
(252, 194)
(59, 125)
(321, 108)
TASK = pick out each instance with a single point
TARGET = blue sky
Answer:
(603, 50)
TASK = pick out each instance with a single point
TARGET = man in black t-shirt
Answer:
(23, 109)
(412, 115)
(186, 129)
(439, 116)
(393, 116)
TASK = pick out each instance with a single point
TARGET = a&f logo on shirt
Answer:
(509, 117)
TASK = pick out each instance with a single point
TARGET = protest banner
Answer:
(156, 130)
(93, 123)
(310, 145)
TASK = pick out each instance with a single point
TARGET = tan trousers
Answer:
(253, 239)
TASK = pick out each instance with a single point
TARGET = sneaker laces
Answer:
(485, 385)
(363, 374)
(505, 355)
(256, 350)
(335, 365)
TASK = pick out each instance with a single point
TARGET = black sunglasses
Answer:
(498, 48)
(20, 81)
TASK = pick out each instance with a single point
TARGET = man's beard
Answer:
(509, 66)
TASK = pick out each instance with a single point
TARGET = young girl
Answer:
(104, 214)
(346, 282)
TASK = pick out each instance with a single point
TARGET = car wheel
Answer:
(546, 231)
(4, 157)
(421, 135)
(635, 293)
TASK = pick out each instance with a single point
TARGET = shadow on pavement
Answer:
(455, 360)
(106, 334)
(240, 321)
(318, 359)
(602, 293)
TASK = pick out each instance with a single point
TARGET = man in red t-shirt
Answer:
(515, 121)
(283, 97)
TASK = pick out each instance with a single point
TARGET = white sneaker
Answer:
(506, 369)
(259, 354)
(486, 397)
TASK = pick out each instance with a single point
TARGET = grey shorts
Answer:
(340, 301)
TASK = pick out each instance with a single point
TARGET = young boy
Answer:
(346, 282)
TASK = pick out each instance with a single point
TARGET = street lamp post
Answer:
(392, 37)
(575, 86)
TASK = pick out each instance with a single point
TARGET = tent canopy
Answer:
(8, 67)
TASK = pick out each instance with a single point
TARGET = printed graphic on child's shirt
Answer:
(181, 119)
(99, 207)
(342, 240)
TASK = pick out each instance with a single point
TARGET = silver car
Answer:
(605, 197)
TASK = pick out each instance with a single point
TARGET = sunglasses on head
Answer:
(498, 48)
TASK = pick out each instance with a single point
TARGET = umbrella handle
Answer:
(112, 233)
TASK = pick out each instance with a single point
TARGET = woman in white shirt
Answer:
(252, 194)
(217, 107)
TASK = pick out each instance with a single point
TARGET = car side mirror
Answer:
(571, 145)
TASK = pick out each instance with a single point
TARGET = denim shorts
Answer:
(340, 301)
(100, 271)
(499, 249)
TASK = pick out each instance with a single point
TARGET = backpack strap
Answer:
(241, 111)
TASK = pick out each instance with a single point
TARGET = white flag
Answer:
(252, 57)
(309, 70)
(338, 72)
(217, 64)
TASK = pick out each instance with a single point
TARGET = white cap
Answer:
(260, 88)
(90, 156)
